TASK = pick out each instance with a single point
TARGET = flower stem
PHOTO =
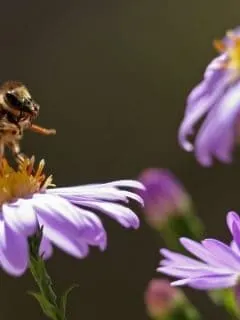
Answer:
(52, 307)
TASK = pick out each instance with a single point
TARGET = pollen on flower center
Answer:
(22, 182)
(232, 49)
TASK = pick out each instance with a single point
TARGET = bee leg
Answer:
(42, 130)
(15, 148)
(2, 147)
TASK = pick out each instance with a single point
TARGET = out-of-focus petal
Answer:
(208, 282)
(199, 251)
(232, 217)
(179, 258)
(215, 102)
(216, 136)
(13, 250)
(222, 253)
(218, 265)
(203, 105)
(235, 247)
(180, 272)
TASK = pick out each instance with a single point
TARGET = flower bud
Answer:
(164, 196)
(161, 299)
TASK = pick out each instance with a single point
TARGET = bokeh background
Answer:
(112, 77)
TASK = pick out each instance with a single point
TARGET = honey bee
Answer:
(18, 110)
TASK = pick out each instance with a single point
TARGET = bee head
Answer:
(19, 101)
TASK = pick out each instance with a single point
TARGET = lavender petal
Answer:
(231, 218)
(222, 253)
(180, 258)
(123, 215)
(46, 248)
(64, 239)
(208, 282)
(185, 272)
(200, 251)
(20, 217)
(13, 250)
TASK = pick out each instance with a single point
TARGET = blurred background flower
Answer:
(215, 269)
(164, 196)
(166, 302)
(168, 207)
(217, 99)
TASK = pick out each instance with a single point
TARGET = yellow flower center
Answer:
(22, 182)
(232, 50)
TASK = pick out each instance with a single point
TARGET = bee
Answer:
(18, 110)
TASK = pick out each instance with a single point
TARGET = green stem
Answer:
(52, 307)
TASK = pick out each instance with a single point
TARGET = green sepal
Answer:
(48, 309)
(64, 297)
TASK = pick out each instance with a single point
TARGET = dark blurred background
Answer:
(112, 77)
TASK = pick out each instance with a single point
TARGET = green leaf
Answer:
(63, 301)
(47, 307)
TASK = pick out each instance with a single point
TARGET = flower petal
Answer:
(60, 210)
(126, 184)
(95, 233)
(236, 233)
(20, 217)
(235, 247)
(46, 248)
(179, 258)
(217, 134)
(215, 65)
(232, 217)
(222, 253)
(188, 272)
(13, 250)
(61, 224)
(123, 215)
(208, 282)
(82, 193)
(200, 251)
(199, 109)
(63, 238)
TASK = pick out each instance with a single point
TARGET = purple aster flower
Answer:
(216, 101)
(164, 196)
(66, 214)
(217, 265)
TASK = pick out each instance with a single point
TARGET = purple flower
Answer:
(164, 196)
(216, 101)
(217, 265)
(66, 214)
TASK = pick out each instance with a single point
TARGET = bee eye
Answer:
(13, 100)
